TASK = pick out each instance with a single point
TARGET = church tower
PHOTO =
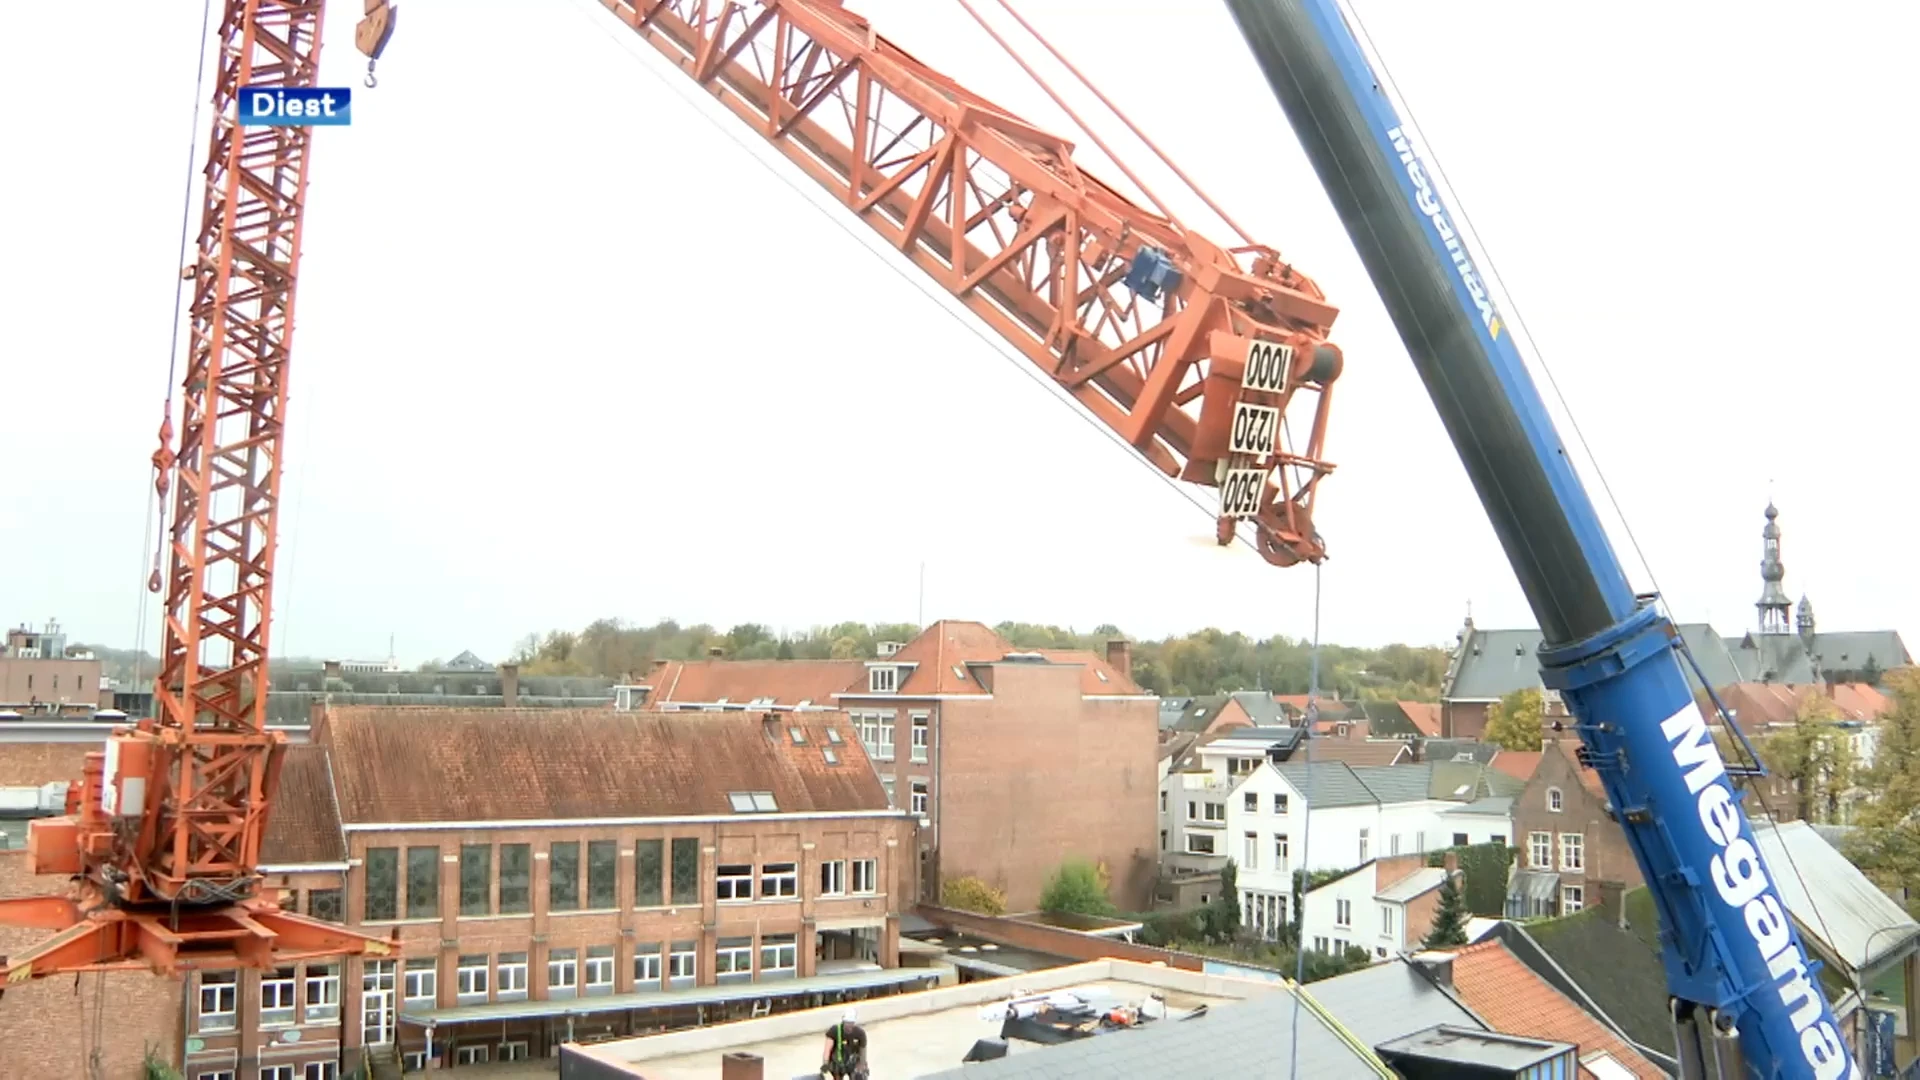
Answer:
(1775, 609)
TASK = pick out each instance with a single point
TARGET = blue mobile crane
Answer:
(1744, 997)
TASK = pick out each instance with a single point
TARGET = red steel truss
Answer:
(164, 831)
(999, 214)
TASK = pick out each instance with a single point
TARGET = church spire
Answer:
(1774, 607)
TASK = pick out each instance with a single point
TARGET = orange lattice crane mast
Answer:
(1201, 357)
(162, 835)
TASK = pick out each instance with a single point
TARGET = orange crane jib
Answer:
(1213, 362)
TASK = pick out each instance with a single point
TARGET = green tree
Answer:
(1450, 920)
(972, 894)
(1895, 776)
(1076, 889)
(1816, 755)
(1222, 914)
(1514, 721)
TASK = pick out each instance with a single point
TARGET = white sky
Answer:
(567, 350)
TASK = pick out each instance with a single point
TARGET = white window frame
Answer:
(738, 960)
(1573, 852)
(471, 981)
(1572, 898)
(833, 877)
(321, 1070)
(1281, 852)
(414, 1061)
(420, 983)
(866, 876)
(513, 1051)
(785, 954)
(1280, 802)
(883, 679)
(276, 1072)
(321, 991)
(1386, 920)
(470, 1055)
(1213, 813)
(1540, 850)
(1252, 852)
(733, 888)
(682, 963)
(221, 989)
(1556, 802)
(1200, 838)
(279, 998)
(876, 733)
(511, 976)
(563, 972)
(646, 969)
(213, 1074)
(1342, 912)
(1366, 844)
(780, 881)
(921, 736)
(596, 972)
(1252, 802)
(917, 795)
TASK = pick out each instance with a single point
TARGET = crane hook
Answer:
(371, 81)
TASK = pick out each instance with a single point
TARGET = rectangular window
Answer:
(1199, 843)
(1572, 898)
(1540, 850)
(1163, 802)
(563, 973)
(1573, 851)
(321, 1070)
(681, 961)
(733, 960)
(1386, 919)
(876, 732)
(686, 871)
(1280, 851)
(1279, 804)
(476, 879)
(597, 976)
(512, 976)
(421, 983)
(1215, 812)
(886, 782)
(1252, 860)
(563, 876)
(733, 883)
(649, 873)
(1393, 844)
(1252, 801)
(1366, 845)
(779, 881)
(920, 728)
(646, 968)
(866, 876)
(423, 883)
(919, 797)
(603, 868)
(276, 1072)
(327, 905)
(383, 884)
(470, 1055)
(516, 879)
(1343, 913)
(833, 878)
(219, 998)
(471, 979)
(779, 958)
(278, 998)
(1459, 839)
(323, 993)
(882, 680)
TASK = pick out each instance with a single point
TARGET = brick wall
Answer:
(1039, 773)
(33, 764)
(1463, 719)
(50, 1024)
(1054, 941)
(1606, 856)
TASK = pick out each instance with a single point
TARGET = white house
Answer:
(1385, 907)
(1272, 819)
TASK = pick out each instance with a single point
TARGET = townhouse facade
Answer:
(1570, 849)
(1012, 760)
(1275, 819)
(1385, 906)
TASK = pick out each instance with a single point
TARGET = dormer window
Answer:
(1553, 799)
(883, 679)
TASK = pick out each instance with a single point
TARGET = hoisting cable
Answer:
(1297, 890)
(845, 223)
(1514, 319)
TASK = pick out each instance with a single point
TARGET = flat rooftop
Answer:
(915, 1034)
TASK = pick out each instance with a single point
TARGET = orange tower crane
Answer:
(1195, 354)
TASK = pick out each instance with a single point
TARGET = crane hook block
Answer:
(1152, 273)
(372, 33)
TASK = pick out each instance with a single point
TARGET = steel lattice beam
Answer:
(998, 213)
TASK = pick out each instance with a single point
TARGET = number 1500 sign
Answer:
(1240, 492)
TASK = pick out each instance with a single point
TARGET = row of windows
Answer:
(734, 882)
(1573, 851)
(876, 734)
(312, 1070)
(287, 997)
(480, 978)
(663, 876)
(1343, 916)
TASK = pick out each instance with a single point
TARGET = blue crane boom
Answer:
(1745, 999)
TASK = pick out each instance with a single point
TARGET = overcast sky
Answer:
(567, 350)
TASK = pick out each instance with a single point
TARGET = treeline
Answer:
(1204, 662)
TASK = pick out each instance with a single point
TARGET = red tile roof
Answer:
(446, 764)
(1518, 764)
(787, 682)
(941, 655)
(1425, 716)
(1099, 678)
(1508, 995)
(303, 826)
(1756, 705)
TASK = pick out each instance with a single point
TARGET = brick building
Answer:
(40, 674)
(1014, 760)
(549, 874)
(1570, 850)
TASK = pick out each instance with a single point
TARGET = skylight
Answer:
(832, 758)
(748, 802)
(799, 736)
(959, 672)
(833, 736)
(1102, 674)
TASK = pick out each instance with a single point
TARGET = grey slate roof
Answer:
(1171, 709)
(1388, 1000)
(1610, 966)
(1387, 720)
(1339, 784)
(1240, 1038)
(1328, 783)
(1500, 806)
(1397, 783)
(1448, 749)
(1200, 711)
(1494, 663)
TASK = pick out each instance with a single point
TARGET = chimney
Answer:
(1612, 894)
(330, 669)
(1120, 656)
(739, 1065)
(1438, 966)
(510, 686)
